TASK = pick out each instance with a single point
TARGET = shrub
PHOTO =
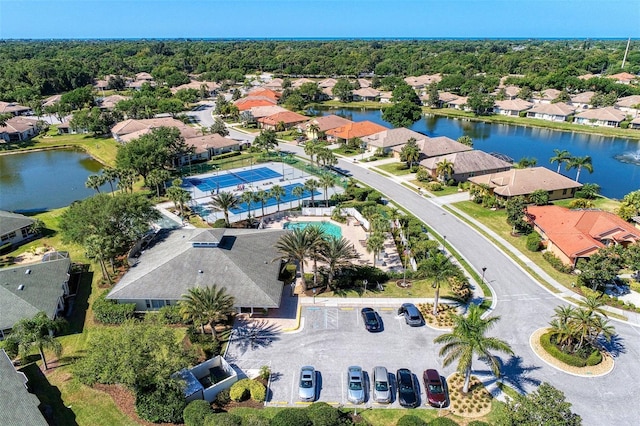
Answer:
(223, 398)
(323, 414)
(291, 416)
(555, 262)
(219, 223)
(222, 419)
(414, 169)
(573, 360)
(423, 175)
(170, 315)
(161, 403)
(258, 391)
(226, 155)
(533, 241)
(436, 186)
(442, 421)
(595, 358)
(409, 420)
(374, 196)
(254, 420)
(195, 413)
(478, 423)
(451, 182)
(245, 388)
(110, 312)
(265, 372)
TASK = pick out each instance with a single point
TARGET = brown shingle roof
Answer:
(441, 145)
(525, 181)
(604, 114)
(465, 162)
(12, 108)
(559, 109)
(203, 142)
(392, 137)
(514, 105)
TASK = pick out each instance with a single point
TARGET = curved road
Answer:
(524, 306)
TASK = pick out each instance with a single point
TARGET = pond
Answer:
(44, 180)
(616, 161)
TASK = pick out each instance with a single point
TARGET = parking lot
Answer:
(332, 339)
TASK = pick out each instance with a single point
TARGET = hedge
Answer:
(555, 262)
(533, 241)
(291, 416)
(222, 419)
(226, 155)
(170, 314)
(110, 312)
(572, 360)
(245, 388)
(195, 412)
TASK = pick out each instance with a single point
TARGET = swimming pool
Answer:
(328, 227)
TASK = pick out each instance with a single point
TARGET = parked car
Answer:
(411, 314)
(408, 393)
(371, 320)
(355, 385)
(434, 387)
(307, 384)
(381, 386)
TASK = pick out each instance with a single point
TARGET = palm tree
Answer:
(314, 129)
(298, 191)
(311, 185)
(262, 196)
(467, 339)
(316, 241)
(277, 192)
(37, 332)
(206, 306)
(580, 163)
(526, 162)
(375, 243)
(440, 268)
(111, 175)
(248, 197)
(444, 169)
(327, 181)
(337, 252)
(295, 246)
(179, 196)
(225, 201)
(465, 140)
(311, 149)
(95, 182)
(561, 156)
(410, 152)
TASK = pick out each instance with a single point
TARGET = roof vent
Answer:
(21, 287)
(200, 271)
(27, 272)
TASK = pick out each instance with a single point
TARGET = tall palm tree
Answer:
(444, 169)
(206, 306)
(468, 338)
(440, 268)
(111, 175)
(316, 242)
(561, 156)
(295, 246)
(337, 252)
(375, 243)
(311, 185)
(277, 192)
(410, 152)
(298, 192)
(248, 197)
(327, 181)
(225, 201)
(262, 196)
(36, 332)
(314, 129)
(580, 163)
(95, 182)
(311, 149)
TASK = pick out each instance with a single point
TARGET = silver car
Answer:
(381, 387)
(355, 385)
(307, 384)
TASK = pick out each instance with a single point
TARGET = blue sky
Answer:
(45, 19)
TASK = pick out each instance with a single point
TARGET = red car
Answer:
(436, 391)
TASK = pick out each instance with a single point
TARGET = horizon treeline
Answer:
(30, 70)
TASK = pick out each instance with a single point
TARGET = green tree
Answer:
(515, 207)
(111, 175)
(219, 127)
(311, 185)
(544, 406)
(580, 163)
(480, 103)
(338, 252)
(326, 157)
(469, 339)
(630, 205)
(465, 140)
(402, 114)
(178, 195)
(95, 182)
(262, 196)
(539, 197)
(402, 92)
(207, 306)
(375, 244)
(36, 332)
(432, 95)
(296, 246)
(342, 90)
(266, 140)
(298, 192)
(248, 197)
(277, 192)
(225, 201)
(157, 178)
(327, 181)
(445, 169)
(440, 269)
(560, 156)
(410, 152)
(526, 162)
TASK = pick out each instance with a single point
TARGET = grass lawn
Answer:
(419, 288)
(346, 151)
(602, 203)
(398, 169)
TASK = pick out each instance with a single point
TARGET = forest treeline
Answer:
(32, 69)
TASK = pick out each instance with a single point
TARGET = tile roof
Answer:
(242, 263)
(51, 100)
(363, 82)
(17, 405)
(629, 101)
(367, 92)
(447, 97)
(300, 81)
(110, 102)
(441, 145)
(356, 130)
(580, 232)
(328, 122)
(525, 181)
(249, 102)
(623, 76)
(203, 142)
(41, 292)
(12, 108)
(603, 114)
(268, 93)
(392, 137)
(327, 82)
(132, 125)
(10, 222)
(473, 161)
(547, 94)
(583, 98)
(18, 124)
(558, 109)
(265, 111)
(514, 105)
(287, 117)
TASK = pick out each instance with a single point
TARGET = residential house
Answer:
(546, 96)
(240, 260)
(127, 130)
(65, 128)
(104, 83)
(110, 102)
(422, 81)
(458, 103)
(588, 76)
(15, 229)
(511, 107)
(288, 119)
(353, 130)
(13, 108)
(629, 105)
(327, 83)
(389, 139)
(324, 123)
(443, 99)
(144, 76)
(578, 234)
(295, 84)
(207, 146)
(26, 290)
(265, 111)
(438, 146)
(18, 129)
(206, 380)
(249, 102)
(558, 111)
(524, 182)
(581, 101)
(275, 84)
(509, 92)
(635, 123)
(385, 97)
(363, 83)
(607, 117)
(51, 101)
(466, 164)
(210, 86)
(624, 78)
(365, 94)
(18, 406)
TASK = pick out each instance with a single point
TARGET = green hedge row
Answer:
(110, 312)
(242, 389)
(555, 262)
(226, 155)
(575, 361)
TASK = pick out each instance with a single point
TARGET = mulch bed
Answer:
(125, 401)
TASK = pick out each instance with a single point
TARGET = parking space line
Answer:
(347, 309)
(386, 309)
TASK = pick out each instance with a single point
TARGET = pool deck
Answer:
(389, 260)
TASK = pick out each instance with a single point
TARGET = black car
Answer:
(408, 393)
(412, 315)
(371, 320)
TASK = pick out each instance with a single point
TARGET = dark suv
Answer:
(411, 314)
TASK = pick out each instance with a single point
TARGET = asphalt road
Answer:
(524, 306)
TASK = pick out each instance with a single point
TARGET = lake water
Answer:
(616, 161)
(44, 180)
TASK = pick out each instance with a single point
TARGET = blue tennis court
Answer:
(286, 198)
(229, 179)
